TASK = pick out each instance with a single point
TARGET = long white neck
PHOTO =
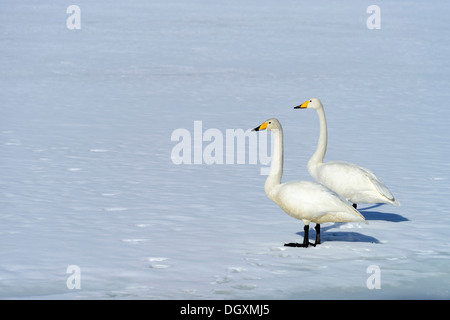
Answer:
(276, 167)
(317, 157)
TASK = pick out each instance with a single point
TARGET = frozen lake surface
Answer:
(87, 178)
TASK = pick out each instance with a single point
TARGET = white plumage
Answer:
(304, 200)
(355, 183)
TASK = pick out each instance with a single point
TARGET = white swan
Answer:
(354, 183)
(304, 200)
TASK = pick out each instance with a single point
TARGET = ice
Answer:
(86, 176)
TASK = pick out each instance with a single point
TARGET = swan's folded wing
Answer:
(381, 188)
(350, 179)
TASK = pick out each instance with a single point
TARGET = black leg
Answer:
(306, 237)
(355, 205)
(317, 227)
(305, 240)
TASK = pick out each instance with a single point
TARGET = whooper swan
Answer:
(353, 182)
(304, 200)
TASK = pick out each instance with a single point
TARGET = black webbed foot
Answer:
(306, 242)
(300, 245)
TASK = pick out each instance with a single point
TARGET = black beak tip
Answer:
(255, 129)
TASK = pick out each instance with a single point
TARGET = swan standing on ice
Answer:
(354, 183)
(304, 200)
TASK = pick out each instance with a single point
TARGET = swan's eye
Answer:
(270, 122)
(310, 100)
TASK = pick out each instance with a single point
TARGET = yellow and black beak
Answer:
(261, 127)
(304, 105)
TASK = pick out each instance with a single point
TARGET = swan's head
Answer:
(268, 125)
(313, 103)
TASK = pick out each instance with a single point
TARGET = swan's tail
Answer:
(359, 217)
(396, 203)
(383, 190)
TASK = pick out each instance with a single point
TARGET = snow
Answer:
(85, 141)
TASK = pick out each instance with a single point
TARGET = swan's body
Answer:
(312, 202)
(304, 200)
(355, 183)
